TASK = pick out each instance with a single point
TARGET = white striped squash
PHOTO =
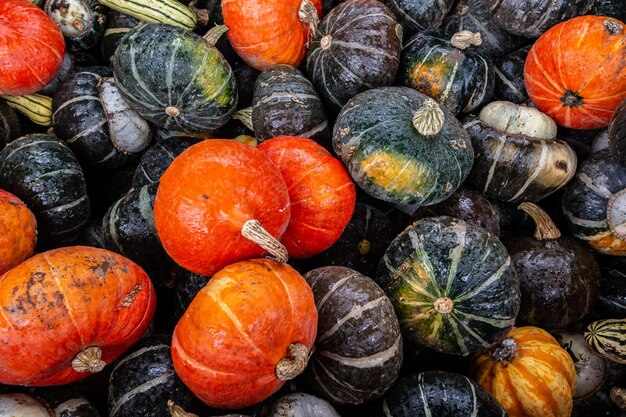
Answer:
(608, 338)
(36, 107)
(170, 12)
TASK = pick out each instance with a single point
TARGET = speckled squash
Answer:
(174, 78)
(358, 350)
(417, 15)
(453, 285)
(302, 405)
(617, 133)
(608, 338)
(611, 303)
(510, 77)
(461, 78)
(378, 140)
(9, 124)
(18, 231)
(356, 48)
(43, 172)
(118, 25)
(157, 158)
(81, 21)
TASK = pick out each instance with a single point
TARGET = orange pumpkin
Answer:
(575, 71)
(270, 32)
(217, 202)
(68, 312)
(246, 332)
(18, 231)
(321, 191)
(528, 373)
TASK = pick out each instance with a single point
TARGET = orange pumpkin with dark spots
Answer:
(18, 231)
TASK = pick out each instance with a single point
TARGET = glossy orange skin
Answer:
(205, 197)
(579, 55)
(31, 48)
(59, 302)
(321, 191)
(267, 32)
(538, 382)
(18, 231)
(226, 346)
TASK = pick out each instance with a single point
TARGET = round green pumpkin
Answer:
(377, 138)
(452, 283)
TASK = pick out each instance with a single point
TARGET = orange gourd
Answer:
(18, 231)
(321, 191)
(575, 71)
(68, 312)
(270, 32)
(528, 373)
(250, 329)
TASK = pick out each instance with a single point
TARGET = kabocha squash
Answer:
(216, 196)
(174, 78)
(169, 12)
(575, 71)
(559, 276)
(321, 192)
(528, 373)
(302, 405)
(95, 121)
(437, 393)
(517, 155)
(118, 25)
(617, 133)
(400, 146)
(33, 42)
(510, 77)
(18, 231)
(81, 21)
(250, 329)
(443, 68)
(453, 285)
(88, 305)
(611, 303)
(266, 33)
(417, 15)
(358, 350)
(608, 338)
(43, 172)
(593, 204)
(356, 48)
(9, 124)
(157, 158)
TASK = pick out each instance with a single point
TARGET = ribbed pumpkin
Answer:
(321, 191)
(575, 71)
(528, 373)
(250, 329)
(212, 194)
(267, 32)
(69, 312)
(18, 231)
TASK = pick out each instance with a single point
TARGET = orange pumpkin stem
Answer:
(545, 229)
(618, 396)
(254, 231)
(89, 360)
(504, 351)
(293, 365)
(177, 411)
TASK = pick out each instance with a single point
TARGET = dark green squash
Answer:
(356, 48)
(92, 235)
(9, 124)
(82, 22)
(43, 172)
(472, 15)
(358, 349)
(510, 77)
(157, 158)
(302, 405)
(559, 276)
(611, 303)
(118, 25)
(417, 15)
(187, 286)
(617, 133)
(608, 338)
(613, 8)
(174, 78)
(400, 146)
(448, 69)
(65, 73)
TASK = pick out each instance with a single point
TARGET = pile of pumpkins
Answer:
(307, 208)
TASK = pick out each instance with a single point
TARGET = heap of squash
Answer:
(202, 201)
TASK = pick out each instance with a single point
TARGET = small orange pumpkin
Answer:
(575, 71)
(18, 231)
(250, 329)
(528, 373)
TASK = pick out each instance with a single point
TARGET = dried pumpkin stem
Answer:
(463, 39)
(618, 396)
(428, 120)
(215, 33)
(545, 229)
(504, 351)
(245, 117)
(293, 365)
(308, 14)
(177, 411)
(254, 231)
(202, 15)
(89, 360)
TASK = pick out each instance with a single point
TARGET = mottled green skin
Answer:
(157, 66)
(445, 257)
(381, 121)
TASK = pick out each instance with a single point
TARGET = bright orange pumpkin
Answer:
(246, 332)
(575, 71)
(528, 373)
(270, 32)
(18, 231)
(68, 312)
(321, 191)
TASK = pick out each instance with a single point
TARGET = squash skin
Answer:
(157, 158)
(243, 305)
(416, 16)
(18, 232)
(301, 405)
(9, 124)
(617, 133)
(82, 23)
(82, 301)
(510, 77)
(118, 24)
(606, 337)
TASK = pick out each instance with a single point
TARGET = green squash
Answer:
(118, 25)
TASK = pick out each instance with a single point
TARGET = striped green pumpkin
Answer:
(453, 285)
(608, 338)
(170, 12)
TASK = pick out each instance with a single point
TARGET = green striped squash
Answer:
(608, 338)
(118, 25)
(452, 283)
(174, 78)
(170, 12)
(36, 107)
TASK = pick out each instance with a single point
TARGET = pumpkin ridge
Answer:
(597, 71)
(334, 190)
(193, 362)
(533, 391)
(544, 73)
